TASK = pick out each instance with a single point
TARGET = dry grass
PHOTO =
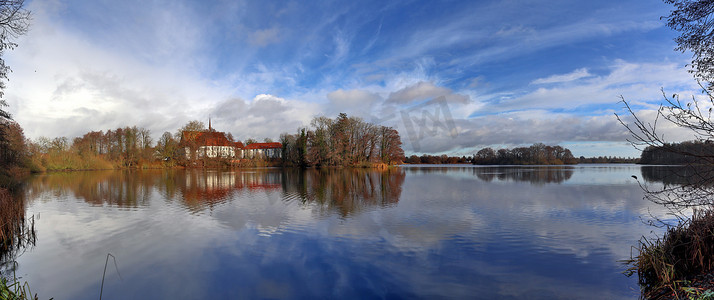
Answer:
(684, 251)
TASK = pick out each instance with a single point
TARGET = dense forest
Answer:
(537, 154)
(343, 141)
(684, 153)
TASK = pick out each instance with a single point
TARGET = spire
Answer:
(209, 123)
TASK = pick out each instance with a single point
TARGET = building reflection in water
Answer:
(202, 188)
(343, 190)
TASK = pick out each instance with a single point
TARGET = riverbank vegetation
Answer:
(666, 266)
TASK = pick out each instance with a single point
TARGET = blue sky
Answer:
(451, 76)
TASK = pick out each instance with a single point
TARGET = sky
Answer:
(451, 76)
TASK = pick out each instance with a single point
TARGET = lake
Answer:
(414, 231)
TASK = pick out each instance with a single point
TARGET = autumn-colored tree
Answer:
(14, 21)
(12, 147)
(390, 146)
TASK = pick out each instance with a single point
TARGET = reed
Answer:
(16, 233)
(684, 251)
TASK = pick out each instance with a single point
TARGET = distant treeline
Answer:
(691, 152)
(608, 160)
(343, 141)
(489, 156)
(438, 159)
(537, 154)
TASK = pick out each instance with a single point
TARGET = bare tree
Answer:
(694, 20)
(695, 116)
(14, 21)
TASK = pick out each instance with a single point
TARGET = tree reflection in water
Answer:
(679, 187)
(347, 191)
(531, 174)
(534, 175)
(114, 188)
(344, 190)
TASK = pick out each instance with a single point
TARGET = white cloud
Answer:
(634, 81)
(575, 75)
(357, 102)
(266, 116)
(423, 91)
(159, 75)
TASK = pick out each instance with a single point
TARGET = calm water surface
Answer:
(410, 232)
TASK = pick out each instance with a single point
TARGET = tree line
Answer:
(608, 160)
(343, 141)
(537, 154)
(445, 159)
(684, 153)
(438, 159)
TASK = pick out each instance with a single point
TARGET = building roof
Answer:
(217, 138)
(207, 138)
(264, 146)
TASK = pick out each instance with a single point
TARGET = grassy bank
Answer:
(665, 266)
